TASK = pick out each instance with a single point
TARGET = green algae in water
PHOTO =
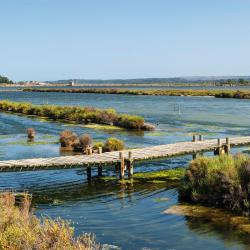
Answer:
(161, 199)
(47, 136)
(156, 177)
(27, 143)
(163, 175)
(219, 218)
(4, 136)
(157, 134)
(103, 127)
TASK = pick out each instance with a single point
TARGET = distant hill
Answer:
(193, 79)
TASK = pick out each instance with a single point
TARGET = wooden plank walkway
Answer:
(113, 158)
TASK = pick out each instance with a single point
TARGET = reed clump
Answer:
(98, 145)
(21, 229)
(68, 139)
(80, 115)
(222, 181)
(85, 141)
(113, 144)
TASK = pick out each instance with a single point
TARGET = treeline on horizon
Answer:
(245, 80)
(5, 80)
(209, 81)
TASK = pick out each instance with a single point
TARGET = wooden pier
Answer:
(124, 160)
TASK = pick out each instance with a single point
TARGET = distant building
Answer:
(32, 83)
(71, 83)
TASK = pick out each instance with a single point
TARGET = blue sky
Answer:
(61, 39)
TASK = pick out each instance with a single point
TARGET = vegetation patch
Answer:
(172, 176)
(21, 229)
(221, 181)
(113, 144)
(98, 145)
(175, 174)
(30, 143)
(219, 217)
(79, 115)
(102, 127)
(244, 94)
(156, 134)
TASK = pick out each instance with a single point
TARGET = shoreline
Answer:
(78, 115)
(236, 94)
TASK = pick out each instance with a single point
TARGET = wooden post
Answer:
(200, 137)
(194, 156)
(99, 171)
(89, 173)
(227, 146)
(122, 165)
(99, 150)
(219, 150)
(31, 132)
(130, 165)
(194, 138)
(89, 151)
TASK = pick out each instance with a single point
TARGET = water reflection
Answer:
(222, 231)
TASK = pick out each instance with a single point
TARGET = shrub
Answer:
(31, 133)
(130, 121)
(85, 141)
(20, 229)
(113, 144)
(97, 145)
(222, 181)
(68, 139)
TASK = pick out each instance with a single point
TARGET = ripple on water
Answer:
(129, 216)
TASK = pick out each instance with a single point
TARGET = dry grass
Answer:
(21, 229)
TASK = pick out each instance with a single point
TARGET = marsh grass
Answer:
(113, 144)
(21, 229)
(79, 115)
(243, 94)
(222, 181)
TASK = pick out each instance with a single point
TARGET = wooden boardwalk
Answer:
(124, 158)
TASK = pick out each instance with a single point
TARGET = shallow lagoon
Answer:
(129, 216)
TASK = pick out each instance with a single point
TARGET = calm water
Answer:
(128, 216)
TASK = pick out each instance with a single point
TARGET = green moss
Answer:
(102, 127)
(156, 177)
(108, 178)
(163, 175)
